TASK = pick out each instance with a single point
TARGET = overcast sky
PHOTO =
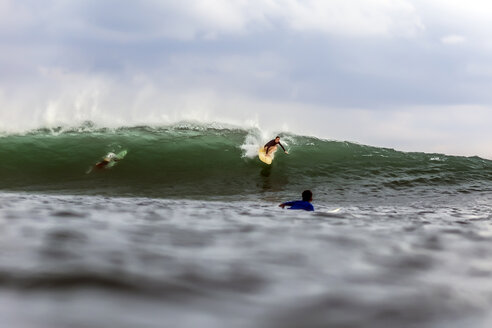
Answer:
(412, 75)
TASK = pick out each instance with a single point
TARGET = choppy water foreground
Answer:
(79, 261)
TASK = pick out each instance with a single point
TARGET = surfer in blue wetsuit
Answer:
(304, 204)
(271, 146)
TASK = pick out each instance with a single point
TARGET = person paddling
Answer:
(271, 146)
(304, 204)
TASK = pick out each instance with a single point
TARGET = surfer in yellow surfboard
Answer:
(271, 146)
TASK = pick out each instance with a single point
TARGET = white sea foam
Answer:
(257, 138)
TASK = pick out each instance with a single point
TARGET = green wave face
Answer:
(207, 163)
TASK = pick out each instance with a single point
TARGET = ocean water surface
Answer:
(186, 231)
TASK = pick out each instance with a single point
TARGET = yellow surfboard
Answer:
(267, 159)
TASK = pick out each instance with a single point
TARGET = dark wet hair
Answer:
(277, 137)
(307, 195)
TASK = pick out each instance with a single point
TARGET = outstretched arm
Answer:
(283, 148)
(286, 204)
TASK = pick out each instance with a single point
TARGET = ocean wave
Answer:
(197, 160)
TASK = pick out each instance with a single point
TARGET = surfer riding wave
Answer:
(106, 160)
(271, 146)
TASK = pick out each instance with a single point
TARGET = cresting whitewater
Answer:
(186, 232)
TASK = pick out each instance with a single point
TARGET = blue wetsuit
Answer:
(300, 205)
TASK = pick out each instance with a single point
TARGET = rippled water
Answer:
(93, 261)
